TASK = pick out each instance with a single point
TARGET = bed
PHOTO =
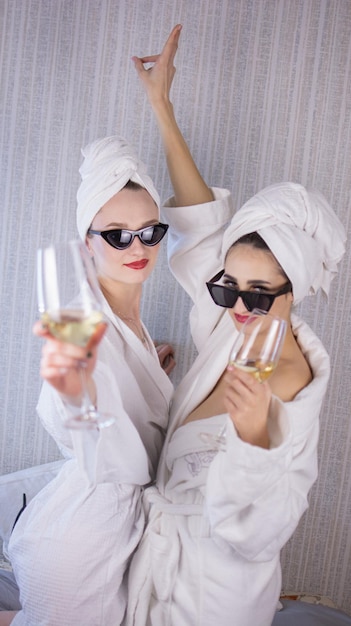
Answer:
(303, 613)
(297, 609)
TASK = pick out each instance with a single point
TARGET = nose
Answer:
(239, 307)
(136, 244)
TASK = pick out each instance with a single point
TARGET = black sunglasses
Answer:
(227, 297)
(121, 238)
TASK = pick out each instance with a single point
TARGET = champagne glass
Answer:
(256, 350)
(258, 346)
(70, 306)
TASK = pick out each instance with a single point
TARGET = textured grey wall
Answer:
(262, 94)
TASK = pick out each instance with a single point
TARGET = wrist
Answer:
(164, 113)
(259, 438)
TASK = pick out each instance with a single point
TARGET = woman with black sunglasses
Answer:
(220, 514)
(72, 543)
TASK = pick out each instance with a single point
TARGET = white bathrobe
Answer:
(219, 518)
(72, 544)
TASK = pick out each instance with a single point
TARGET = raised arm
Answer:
(188, 184)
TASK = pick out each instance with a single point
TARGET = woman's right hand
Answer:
(247, 402)
(165, 354)
(61, 361)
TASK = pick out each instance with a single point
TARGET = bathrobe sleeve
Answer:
(255, 497)
(103, 455)
(194, 254)
(133, 388)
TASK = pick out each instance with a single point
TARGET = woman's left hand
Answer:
(61, 362)
(157, 79)
(166, 356)
(247, 402)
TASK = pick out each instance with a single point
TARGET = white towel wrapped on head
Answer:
(301, 230)
(109, 163)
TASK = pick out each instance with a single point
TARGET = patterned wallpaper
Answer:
(262, 94)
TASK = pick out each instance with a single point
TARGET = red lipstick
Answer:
(241, 319)
(137, 265)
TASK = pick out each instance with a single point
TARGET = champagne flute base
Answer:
(89, 421)
(218, 441)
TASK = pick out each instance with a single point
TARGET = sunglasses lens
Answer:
(153, 235)
(119, 239)
(223, 296)
(257, 301)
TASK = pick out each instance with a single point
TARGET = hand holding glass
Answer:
(69, 301)
(256, 350)
(258, 346)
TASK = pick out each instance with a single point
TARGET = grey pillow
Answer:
(12, 487)
(305, 614)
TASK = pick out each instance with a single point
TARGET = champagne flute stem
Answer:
(86, 404)
(219, 440)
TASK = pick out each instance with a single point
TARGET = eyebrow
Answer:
(125, 227)
(249, 282)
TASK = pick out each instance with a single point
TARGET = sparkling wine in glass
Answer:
(256, 350)
(258, 346)
(70, 306)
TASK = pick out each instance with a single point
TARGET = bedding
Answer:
(307, 614)
(12, 487)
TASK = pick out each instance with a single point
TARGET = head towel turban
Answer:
(301, 230)
(109, 163)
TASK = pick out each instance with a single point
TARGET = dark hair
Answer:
(133, 186)
(255, 241)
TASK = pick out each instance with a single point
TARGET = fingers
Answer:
(97, 336)
(53, 366)
(240, 381)
(60, 370)
(40, 330)
(62, 362)
(168, 52)
(174, 35)
(244, 394)
(171, 45)
(164, 349)
(58, 358)
(166, 357)
(139, 65)
(61, 365)
(157, 79)
(168, 364)
(149, 59)
(247, 404)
